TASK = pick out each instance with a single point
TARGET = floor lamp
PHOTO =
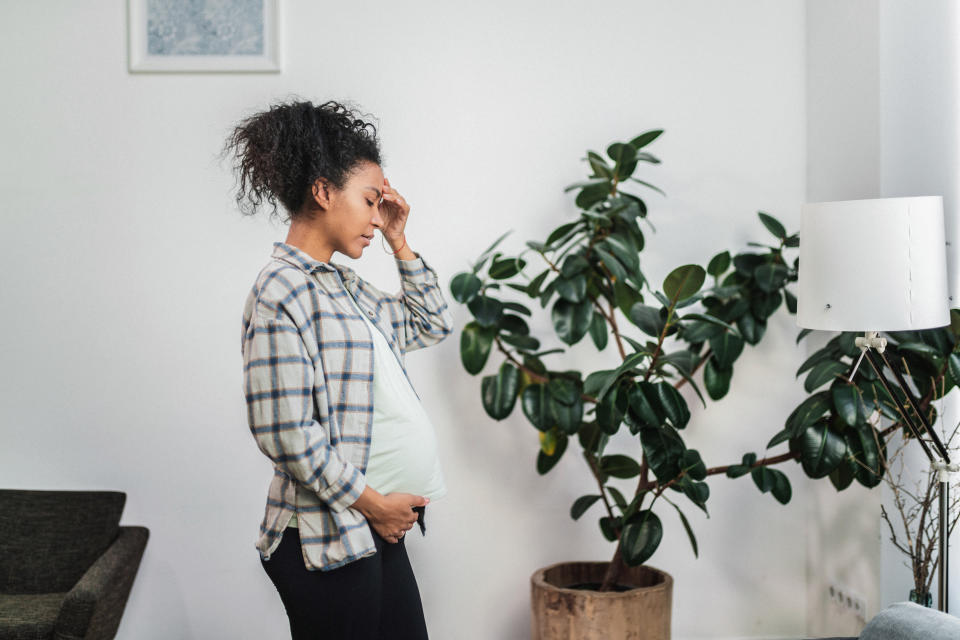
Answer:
(873, 266)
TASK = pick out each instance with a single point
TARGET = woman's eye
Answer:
(369, 203)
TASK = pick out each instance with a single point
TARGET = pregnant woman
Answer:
(328, 397)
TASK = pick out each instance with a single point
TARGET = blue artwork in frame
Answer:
(204, 35)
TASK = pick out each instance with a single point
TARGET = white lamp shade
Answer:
(873, 265)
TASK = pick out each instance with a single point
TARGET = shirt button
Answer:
(370, 313)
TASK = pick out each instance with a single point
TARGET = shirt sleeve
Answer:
(279, 384)
(426, 317)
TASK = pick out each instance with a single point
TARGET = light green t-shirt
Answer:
(403, 445)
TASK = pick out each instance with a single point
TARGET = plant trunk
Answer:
(614, 570)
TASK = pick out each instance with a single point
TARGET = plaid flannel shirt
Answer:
(308, 374)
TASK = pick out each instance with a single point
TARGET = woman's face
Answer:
(354, 211)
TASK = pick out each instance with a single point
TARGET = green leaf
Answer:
(562, 232)
(486, 310)
(726, 348)
(647, 319)
(535, 401)
(705, 317)
(574, 264)
(573, 289)
(564, 390)
(593, 194)
(689, 530)
(581, 505)
(499, 392)
(598, 331)
(716, 380)
(611, 409)
(773, 225)
(768, 479)
(506, 268)
(866, 455)
(609, 527)
(823, 373)
(662, 448)
(640, 538)
(592, 439)
(571, 320)
(697, 492)
(762, 478)
(674, 405)
(598, 165)
(771, 276)
(791, 301)
(782, 436)
(750, 328)
(611, 263)
(763, 305)
(719, 264)
(465, 286)
(513, 324)
(808, 412)
(629, 363)
(475, 343)
(524, 343)
(618, 498)
(546, 462)
(568, 417)
(846, 400)
(693, 465)
(483, 256)
(821, 450)
(820, 356)
(683, 282)
(645, 138)
(623, 249)
(645, 404)
(781, 487)
(619, 466)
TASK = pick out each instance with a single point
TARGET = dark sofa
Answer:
(66, 564)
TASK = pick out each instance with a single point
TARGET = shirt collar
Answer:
(303, 261)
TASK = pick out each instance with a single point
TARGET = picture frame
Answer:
(203, 36)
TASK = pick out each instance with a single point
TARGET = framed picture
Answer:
(204, 35)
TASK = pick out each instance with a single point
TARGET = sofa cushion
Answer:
(909, 621)
(48, 539)
(29, 616)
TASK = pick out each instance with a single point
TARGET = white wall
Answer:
(125, 266)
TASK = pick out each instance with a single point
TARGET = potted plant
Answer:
(684, 330)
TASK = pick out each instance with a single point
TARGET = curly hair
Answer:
(280, 153)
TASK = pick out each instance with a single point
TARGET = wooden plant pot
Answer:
(561, 613)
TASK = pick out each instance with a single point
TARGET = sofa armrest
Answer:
(93, 607)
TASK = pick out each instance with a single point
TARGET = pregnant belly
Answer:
(403, 458)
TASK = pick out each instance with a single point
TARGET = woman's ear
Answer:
(321, 193)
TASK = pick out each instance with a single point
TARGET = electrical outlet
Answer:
(848, 600)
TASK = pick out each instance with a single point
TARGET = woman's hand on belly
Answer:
(390, 515)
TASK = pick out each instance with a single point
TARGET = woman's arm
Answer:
(426, 316)
(279, 384)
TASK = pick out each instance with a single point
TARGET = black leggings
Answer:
(368, 599)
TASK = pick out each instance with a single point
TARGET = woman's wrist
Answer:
(400, 249)
(369, 503)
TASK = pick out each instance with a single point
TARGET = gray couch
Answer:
(66, 564)
(909, 621)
